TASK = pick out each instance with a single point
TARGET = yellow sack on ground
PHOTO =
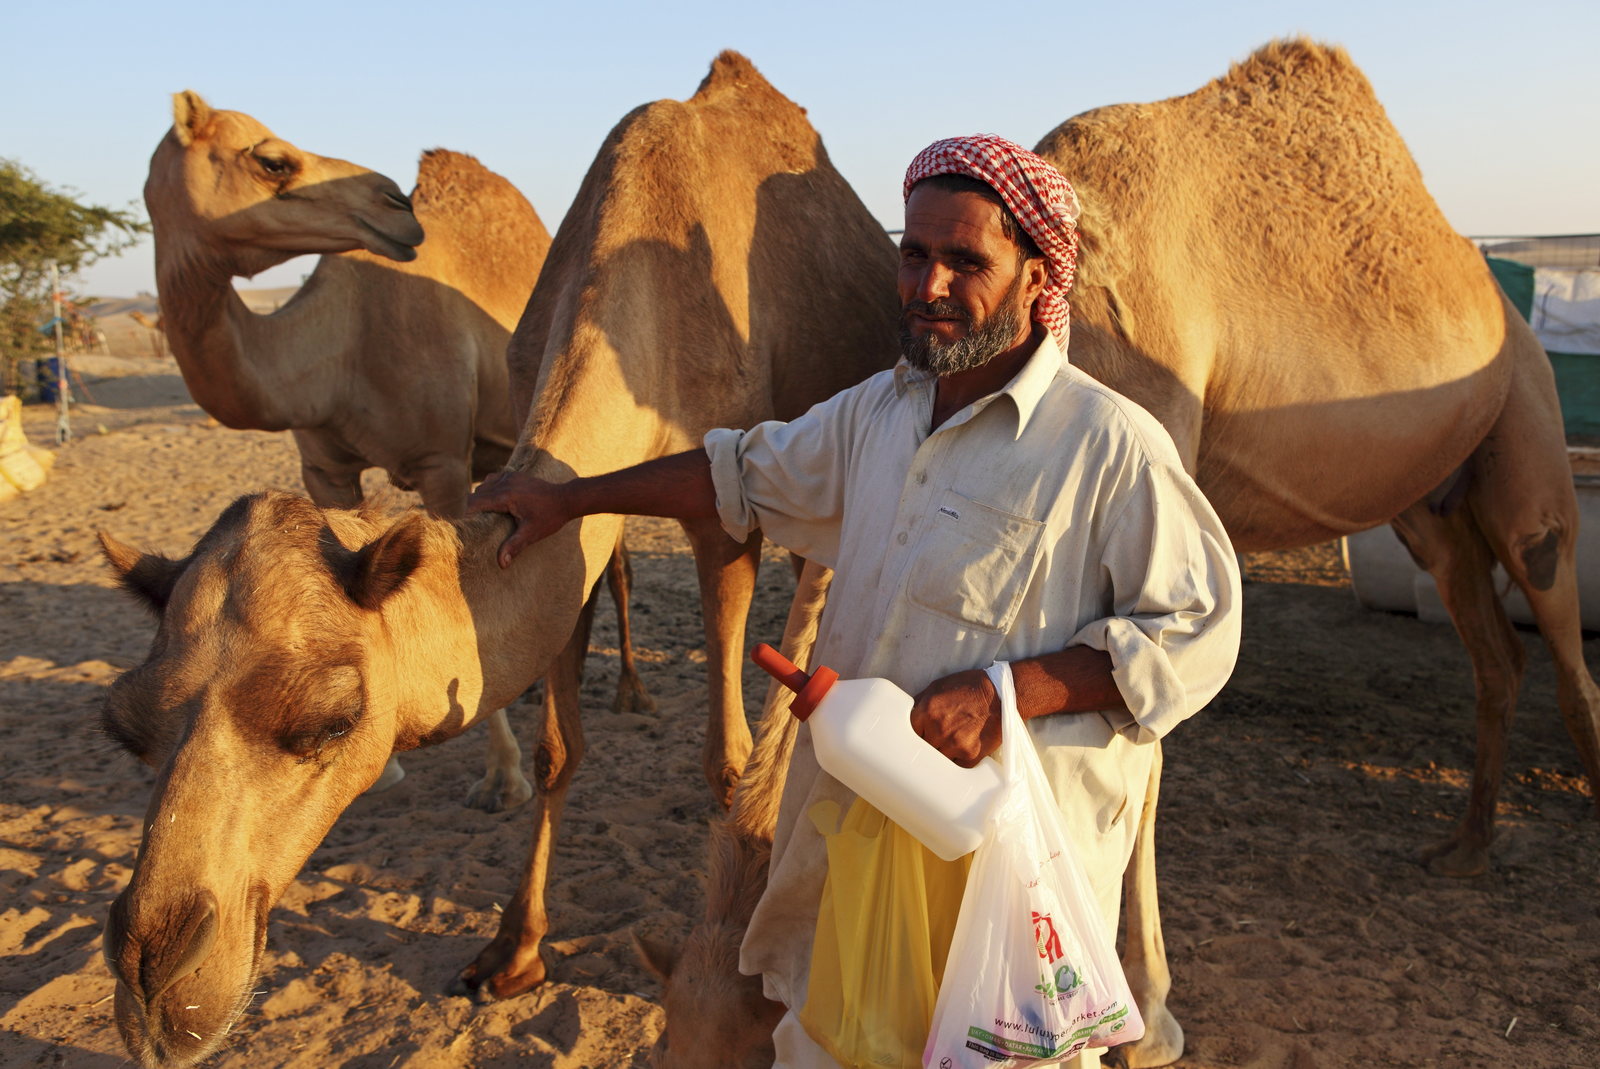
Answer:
(888, 913)
(22, 466)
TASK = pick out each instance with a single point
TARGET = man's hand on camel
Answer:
(538, 507)
(677, 486)
(959, 716)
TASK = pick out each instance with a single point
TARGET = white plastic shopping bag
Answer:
(1032, 974)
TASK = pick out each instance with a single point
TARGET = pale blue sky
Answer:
(1498, 102)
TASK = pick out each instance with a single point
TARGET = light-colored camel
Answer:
(715, 270)
(1264, 271)
(391, 355)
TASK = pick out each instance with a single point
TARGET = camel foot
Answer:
(499, 790)
(1456, 858)
(392, 774)
(631, 695)
(497, 975)
(1162, 1043)
(724, 781)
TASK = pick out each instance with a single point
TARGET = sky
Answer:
(1496, 101)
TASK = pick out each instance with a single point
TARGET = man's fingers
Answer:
(494, 494)
(520, 539)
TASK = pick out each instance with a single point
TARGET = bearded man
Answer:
(982, 500)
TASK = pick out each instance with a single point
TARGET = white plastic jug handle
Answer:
(1013, 732)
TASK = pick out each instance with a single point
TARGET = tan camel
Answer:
(391, 355)
(715, 270)
(1264, 271)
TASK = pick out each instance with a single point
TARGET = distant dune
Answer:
(127, 337)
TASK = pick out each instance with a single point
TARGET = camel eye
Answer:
(307, 745)
(274, 167)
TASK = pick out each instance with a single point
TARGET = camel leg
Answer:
(443, 481)
(1455, 552)
(727, 583)
(631, 695)
(503, 785)
(1144, 961)
(511, 964)
(332, 475)
(1524, 501)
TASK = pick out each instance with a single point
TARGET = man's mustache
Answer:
(945, 309)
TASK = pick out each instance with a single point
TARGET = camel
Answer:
(1265, 272)
(1280, 366)
(714, 270)
(393, 352)
(391, 355)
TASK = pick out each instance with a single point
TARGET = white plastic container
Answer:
(861, 730)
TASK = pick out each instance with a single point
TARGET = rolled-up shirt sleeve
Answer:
(1173, 634)
(788, 479)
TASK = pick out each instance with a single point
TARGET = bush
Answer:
(40, 225)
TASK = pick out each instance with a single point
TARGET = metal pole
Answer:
(63, 424)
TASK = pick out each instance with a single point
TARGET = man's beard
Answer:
(981, 344)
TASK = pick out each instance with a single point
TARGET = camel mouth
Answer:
(379, 243)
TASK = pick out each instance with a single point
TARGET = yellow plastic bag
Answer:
(889, 910)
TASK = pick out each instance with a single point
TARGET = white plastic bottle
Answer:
(861, 730)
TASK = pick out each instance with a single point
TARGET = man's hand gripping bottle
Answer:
(861, 731)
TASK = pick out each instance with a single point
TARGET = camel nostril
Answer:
(398, 200)
(163, 964)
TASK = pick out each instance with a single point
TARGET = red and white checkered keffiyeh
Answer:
(1037, 194)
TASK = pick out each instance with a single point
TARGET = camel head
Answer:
(269, 700)
(225, 188)
(717, 1018)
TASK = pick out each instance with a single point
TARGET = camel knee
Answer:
(553, 766)
(1538, 558)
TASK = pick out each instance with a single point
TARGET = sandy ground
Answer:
(1301, 931)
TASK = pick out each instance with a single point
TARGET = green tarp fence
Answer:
(1577, 374)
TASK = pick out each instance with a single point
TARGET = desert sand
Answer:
(1301, 930)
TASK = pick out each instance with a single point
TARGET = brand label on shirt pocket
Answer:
(973, 563)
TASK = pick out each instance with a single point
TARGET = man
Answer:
(983, 500)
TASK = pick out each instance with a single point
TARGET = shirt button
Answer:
(902, 538)
(922, 477)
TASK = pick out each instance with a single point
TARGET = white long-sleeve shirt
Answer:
(1052, 513)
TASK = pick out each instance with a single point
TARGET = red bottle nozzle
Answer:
(809, 689)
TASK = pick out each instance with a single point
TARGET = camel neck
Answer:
(462, 609)
(251, 371)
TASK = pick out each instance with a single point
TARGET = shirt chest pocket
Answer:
(973, 563)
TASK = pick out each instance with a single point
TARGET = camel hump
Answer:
(454, 181)
(733, 105)
(1302, 66)
(482, 212)
(730, 72)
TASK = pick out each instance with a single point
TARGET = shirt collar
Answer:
(1026, 389)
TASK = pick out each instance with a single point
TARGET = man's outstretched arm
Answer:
(678, 487)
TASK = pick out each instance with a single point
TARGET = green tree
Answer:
(39, 225)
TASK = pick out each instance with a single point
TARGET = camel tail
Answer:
(754, 813)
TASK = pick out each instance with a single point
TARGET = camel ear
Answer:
(189, 116)
(372, 573)
(658, 957)
(149, 577)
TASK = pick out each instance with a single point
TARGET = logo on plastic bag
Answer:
(1045, 936)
